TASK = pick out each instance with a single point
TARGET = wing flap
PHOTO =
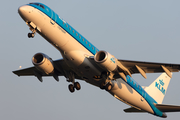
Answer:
(168, 108)
(149, 67)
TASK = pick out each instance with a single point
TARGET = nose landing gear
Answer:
(33, 28)
(31, 35)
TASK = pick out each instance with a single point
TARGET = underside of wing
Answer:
(149, 67)
(60, 69)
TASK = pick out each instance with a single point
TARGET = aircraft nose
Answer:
(22, 10)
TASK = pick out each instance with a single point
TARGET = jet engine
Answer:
(43, 63)
(106, 61)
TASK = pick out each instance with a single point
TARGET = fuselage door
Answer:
(53, 17)
(143, 97)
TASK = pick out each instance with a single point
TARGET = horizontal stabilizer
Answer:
(167, 108)
(131, 109)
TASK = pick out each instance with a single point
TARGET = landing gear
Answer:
(33, 28)
(102, 85)
(71, 88)
(74, 85)
(108, 86)
(31, 35)
(106, 83)
(77, 86)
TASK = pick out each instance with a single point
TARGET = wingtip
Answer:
(15, 73)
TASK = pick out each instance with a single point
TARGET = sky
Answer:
(132, 30)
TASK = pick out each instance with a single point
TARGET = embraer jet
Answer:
(82, 60)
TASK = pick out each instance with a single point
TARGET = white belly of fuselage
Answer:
(128, 95)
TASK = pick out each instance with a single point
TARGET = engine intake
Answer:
(106, 61)
(101, 56)
(43, 63)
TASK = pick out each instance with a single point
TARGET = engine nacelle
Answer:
(43, 63)
(106, 61)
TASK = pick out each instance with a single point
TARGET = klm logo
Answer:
(160, 86)
(113, 60)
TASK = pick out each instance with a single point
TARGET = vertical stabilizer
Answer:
(158, 88)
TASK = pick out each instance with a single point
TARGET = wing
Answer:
(60, 68)
(149, 67)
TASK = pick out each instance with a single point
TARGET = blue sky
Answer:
(133, 30)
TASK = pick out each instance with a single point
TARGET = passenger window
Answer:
(76, 34)
(89, 45)
(83, 39)
(80, 37)
(73, 31)
(69, 28)
(86, 42)
(66, 25)
(93, 48)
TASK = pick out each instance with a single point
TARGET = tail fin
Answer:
(158, 88)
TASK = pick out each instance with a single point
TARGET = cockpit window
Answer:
(35, 4)
(42, 6)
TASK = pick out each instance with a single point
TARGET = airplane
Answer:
(83, 61)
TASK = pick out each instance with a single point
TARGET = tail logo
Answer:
(160, 85)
